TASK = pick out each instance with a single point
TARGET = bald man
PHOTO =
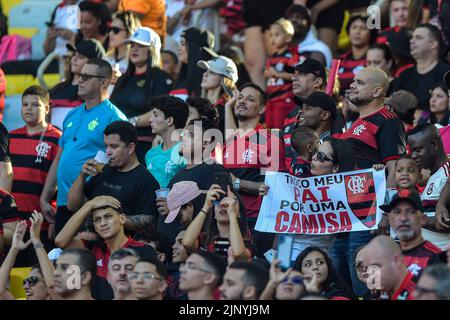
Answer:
(384, 261)
(428, 152)
(377, 136)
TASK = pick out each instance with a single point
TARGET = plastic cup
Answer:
(102, 159)
(162, 193)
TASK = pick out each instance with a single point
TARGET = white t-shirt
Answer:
(65, 19)
(430, 197)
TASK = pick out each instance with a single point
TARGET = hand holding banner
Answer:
(328, 204)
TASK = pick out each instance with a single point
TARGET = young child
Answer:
(33, 149)
(279, 71)
(304, 141)
(407, 176)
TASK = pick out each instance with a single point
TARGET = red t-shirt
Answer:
(406, 289)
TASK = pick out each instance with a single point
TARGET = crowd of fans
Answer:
(116, 174)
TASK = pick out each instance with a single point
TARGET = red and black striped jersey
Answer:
(383, 36)
(406, 289)
(277, 88)
(248, 156)
(300, 168)
(8, 208)
(418, 258)
(31, 158)
(348, 69)
(232, 14)
(377, 138)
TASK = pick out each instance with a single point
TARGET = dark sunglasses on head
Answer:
(294, 280)
(31, 281)
(115, 30)
(322, 157)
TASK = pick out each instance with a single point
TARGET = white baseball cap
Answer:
(146, 37)
(221, 65)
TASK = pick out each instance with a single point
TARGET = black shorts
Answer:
(262, 13)
(332, 17)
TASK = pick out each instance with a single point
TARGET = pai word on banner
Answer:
(328, 204)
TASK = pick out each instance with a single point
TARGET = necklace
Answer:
(42, 147)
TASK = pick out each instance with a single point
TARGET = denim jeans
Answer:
(343, 257)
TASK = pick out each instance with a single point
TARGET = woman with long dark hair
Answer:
(224, 223)
(94, 20)
(439, 105)
(320, 275)
(195, 45)
(143, 80)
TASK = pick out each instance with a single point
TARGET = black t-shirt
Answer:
(203, 174)
(420, 84)
(131, 97)
(134, 189)
(4, 144)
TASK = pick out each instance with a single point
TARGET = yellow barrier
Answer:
(24, 32)
(17, 83)
(16, 282)
(8, 4)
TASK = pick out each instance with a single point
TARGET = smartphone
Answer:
(284, 250)
(223, 180)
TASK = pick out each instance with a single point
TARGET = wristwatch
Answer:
(237, 184)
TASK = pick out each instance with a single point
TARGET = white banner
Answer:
(328, 204)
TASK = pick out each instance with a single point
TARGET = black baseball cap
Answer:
(319, 99)
(202, 38)
(90, 48)
(312, 66)
(404, 195)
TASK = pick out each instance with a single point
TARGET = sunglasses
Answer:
(31, 281)
(115, 30)
(85, 77)
(294, 280)
(322, 157)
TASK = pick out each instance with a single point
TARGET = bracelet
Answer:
(38, 245)
(204, 212)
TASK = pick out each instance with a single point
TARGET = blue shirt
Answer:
(163, 165)
(82, 138)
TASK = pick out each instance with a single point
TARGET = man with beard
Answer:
(243, 281)
(307, 43)
(406, 218)
(377, 136)
(109, 220)
(120, 265)
(428, 151)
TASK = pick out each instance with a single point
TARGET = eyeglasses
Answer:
(85, 77)
(115, 30)
(322, 157)
(146, 276)
(31, 281)
(294, 280)
(192, 266)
